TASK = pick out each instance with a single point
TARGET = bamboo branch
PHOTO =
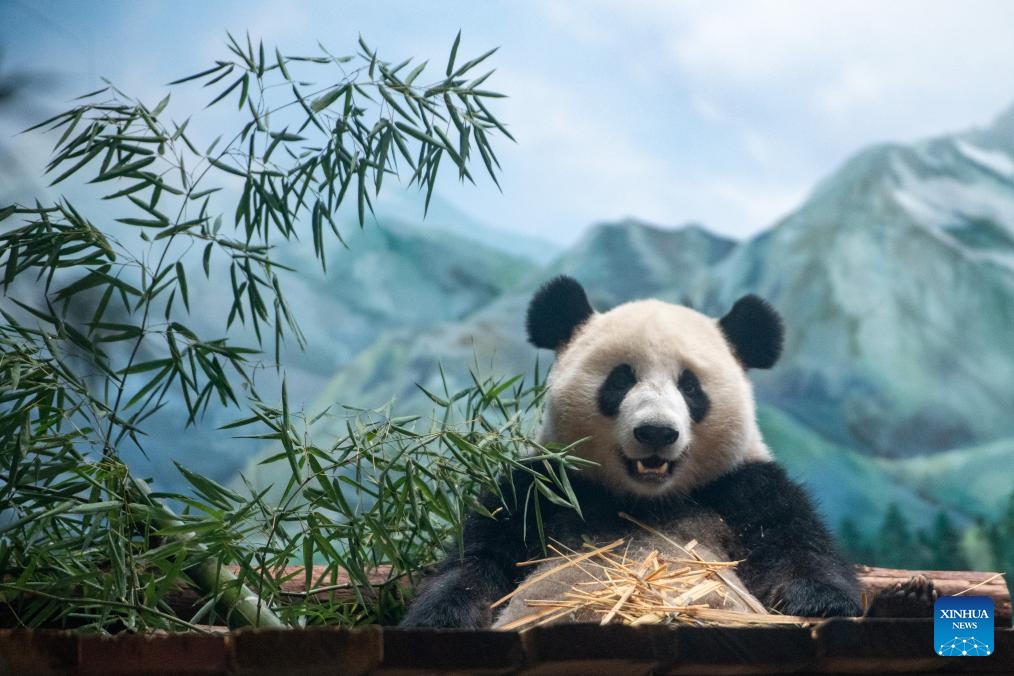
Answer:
(211, 577)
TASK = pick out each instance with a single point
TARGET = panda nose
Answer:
(655, 436)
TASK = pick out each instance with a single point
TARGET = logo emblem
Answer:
(963, 626)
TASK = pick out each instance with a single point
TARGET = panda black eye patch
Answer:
(614, 388)
(697, 399)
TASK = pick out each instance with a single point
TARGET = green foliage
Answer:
(943, 543)
(942, 547)
(96, 338)
(895, 541)
(999, 537)
(853, 543)
(389, 492)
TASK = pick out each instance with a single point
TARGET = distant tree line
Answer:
(984, 545)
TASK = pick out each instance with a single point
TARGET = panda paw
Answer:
(445, 602)
(913, 598)
(446, 616)
(809, 598)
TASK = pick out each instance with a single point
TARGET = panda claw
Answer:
(913, 598)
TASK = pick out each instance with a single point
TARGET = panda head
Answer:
(659, 391)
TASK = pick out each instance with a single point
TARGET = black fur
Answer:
(755, 331)
(614, 388)
(791, 562)
(789, 559)
(556, 310)
(697, 399)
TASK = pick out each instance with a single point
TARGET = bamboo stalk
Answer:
(211, 577)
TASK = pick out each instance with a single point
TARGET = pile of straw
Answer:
(649, 589)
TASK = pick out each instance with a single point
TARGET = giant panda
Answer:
(659, 393)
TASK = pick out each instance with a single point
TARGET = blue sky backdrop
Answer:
(720, 112)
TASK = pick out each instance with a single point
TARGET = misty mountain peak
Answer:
(632, 259)
(1000, 134)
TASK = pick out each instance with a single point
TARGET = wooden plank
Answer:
(947, 583)
(337, 587)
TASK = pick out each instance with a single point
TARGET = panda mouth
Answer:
(650, 469)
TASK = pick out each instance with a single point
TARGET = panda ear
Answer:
(755, 331)
(556, 310)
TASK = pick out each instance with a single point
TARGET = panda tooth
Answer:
(661, 469)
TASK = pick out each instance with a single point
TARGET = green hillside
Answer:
(975, 481)
(845, 482)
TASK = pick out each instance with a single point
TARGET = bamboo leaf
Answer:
(160, 106)
(181, 278)
(469, 65)
(418, 135)
(285, 136)
(228, 90)
(393, 103)
(327, 98)
(245, 80)
(454, 54)
(414, 73)
(124, 169)
(195, 76)
(280, 60)
(218, 164)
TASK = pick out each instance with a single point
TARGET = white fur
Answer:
(658, 340)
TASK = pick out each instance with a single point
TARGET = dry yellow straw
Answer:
(568, 562)
(975, 586)
(651, 589)
(743, 595)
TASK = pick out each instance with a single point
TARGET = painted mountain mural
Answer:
(895, 277)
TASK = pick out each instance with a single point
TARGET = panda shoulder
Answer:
(753, 486)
